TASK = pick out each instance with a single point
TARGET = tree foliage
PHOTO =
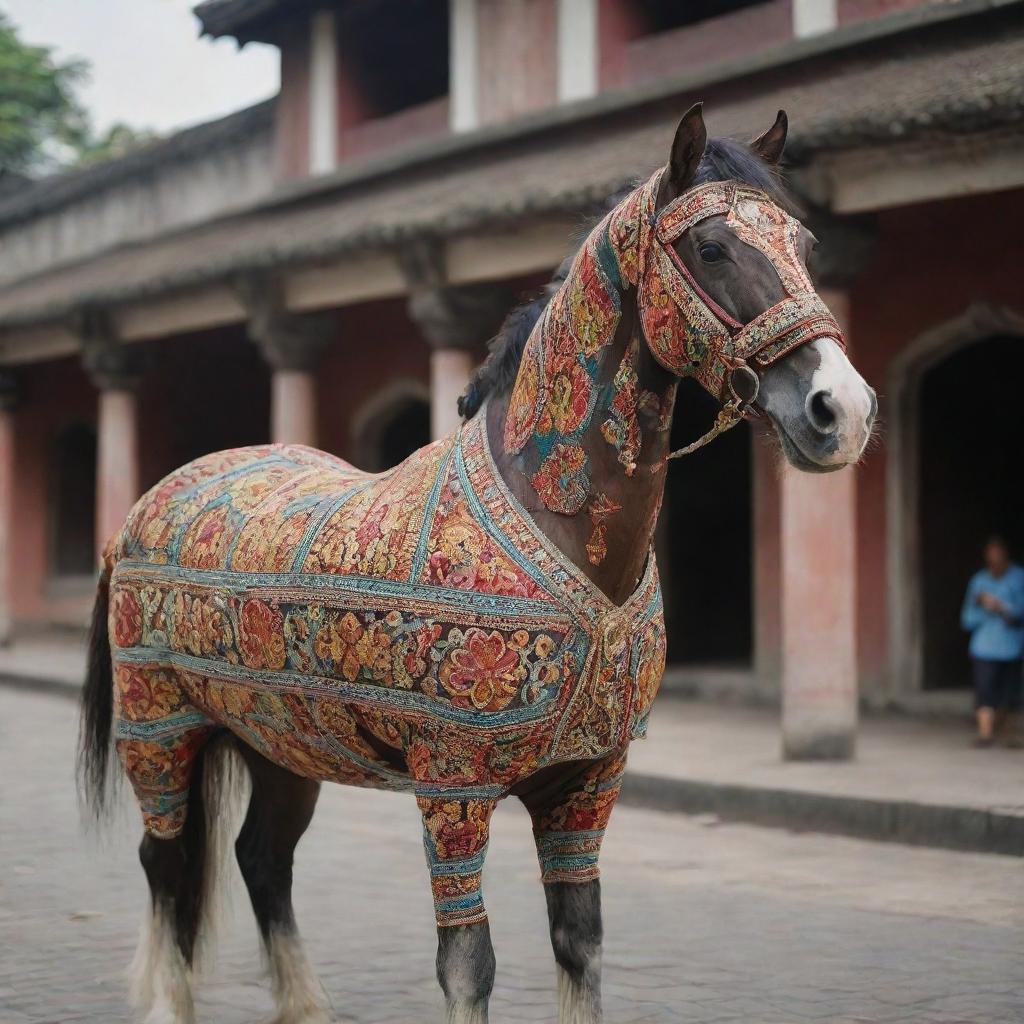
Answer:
(43, 125)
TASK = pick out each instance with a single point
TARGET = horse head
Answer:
(724, 295)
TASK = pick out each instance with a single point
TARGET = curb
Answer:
(967, 829)
(40, 684)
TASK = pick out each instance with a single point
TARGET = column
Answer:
(293, 406)
(8, 403)
(818, 548)
(450, 370)
(819, 656)
(767, 570)
(811, 17)
(291, 344)
(578, 49)
(463, 46)
(116, 371)
(323, 93)
(457, 322)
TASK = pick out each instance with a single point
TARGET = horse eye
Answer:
(711, 252)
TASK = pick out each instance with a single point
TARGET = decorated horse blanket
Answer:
(412, 629)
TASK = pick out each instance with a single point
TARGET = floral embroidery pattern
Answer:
(485, 673)
(261, 635)
(601, 509)
(622, 428)
(563, 480)
(569, 834)
(455, 835)
(461, 661)
(126, 616)
(556, 390)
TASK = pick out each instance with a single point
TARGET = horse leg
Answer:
(280, 809)
(570, 810)
(455, 833)
(166, 752)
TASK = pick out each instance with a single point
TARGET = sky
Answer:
(150, 69)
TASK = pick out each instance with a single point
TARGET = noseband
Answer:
(689, 333)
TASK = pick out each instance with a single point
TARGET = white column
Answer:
(810, 17)
(7, 435)
(323, 93)
(578, 49)
(450, 370)
(293, 407)
(819, 657)
(117, 461)
(464, 61)
(818, 527)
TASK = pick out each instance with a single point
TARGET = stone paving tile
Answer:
(704, 925)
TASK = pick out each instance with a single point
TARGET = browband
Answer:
(687, 331)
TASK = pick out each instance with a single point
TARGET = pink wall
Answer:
(356, 138)
(629, 54)
(862, 10)
(291, 115)
(518, 57)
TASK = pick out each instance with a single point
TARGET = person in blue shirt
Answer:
(993, 613)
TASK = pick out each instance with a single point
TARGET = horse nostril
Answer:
(822, 411)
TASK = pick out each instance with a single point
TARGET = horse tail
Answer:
(217, 794)
(97, 708)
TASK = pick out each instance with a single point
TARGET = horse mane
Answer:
(723, 160)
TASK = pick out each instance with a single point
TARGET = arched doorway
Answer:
(73, 502)
(392, 425)
(952, 478)
(704, 543)
(971, 485)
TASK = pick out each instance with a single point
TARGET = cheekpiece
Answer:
(687, 331)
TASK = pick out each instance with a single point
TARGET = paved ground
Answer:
(705, 923)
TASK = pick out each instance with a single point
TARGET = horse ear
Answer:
(770, 144)
(687, 149)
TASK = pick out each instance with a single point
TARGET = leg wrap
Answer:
(455, 833)
(568, 829)
(158, 735)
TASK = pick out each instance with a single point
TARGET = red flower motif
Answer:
(485, 673)
(127, 617)
(563, 480)
(261, 635)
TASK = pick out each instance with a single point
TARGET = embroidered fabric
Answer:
(326, 616)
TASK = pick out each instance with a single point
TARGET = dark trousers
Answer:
(997, 684)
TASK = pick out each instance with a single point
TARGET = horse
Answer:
(483, 620)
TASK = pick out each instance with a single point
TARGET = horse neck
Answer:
(605, 524)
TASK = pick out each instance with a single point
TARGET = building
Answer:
(326, 268)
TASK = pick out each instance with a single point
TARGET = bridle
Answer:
(689, 333)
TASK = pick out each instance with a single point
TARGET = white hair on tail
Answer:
(226, 790)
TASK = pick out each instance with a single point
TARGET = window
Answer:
(73, 502)
(396, 55)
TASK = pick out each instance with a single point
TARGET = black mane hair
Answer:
(723, 160)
